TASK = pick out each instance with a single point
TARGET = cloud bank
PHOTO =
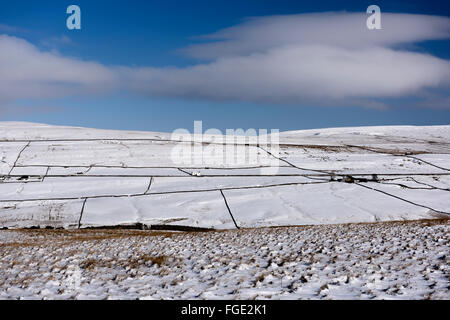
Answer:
(295, 73)
(338, 29)
(28, 73)
(321, 59)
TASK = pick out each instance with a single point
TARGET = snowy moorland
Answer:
(76, 178)
(384, 260)
(346, 213)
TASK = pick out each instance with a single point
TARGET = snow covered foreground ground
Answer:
(64, 177)
(387, 260)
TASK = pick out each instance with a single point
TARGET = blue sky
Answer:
(141, 34)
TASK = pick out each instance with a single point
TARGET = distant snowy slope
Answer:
(37, 131)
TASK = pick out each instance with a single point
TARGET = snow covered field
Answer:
(388, 260)
(76, 178)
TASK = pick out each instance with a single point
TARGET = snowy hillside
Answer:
(77, 178)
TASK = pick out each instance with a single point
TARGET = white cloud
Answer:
(294, 73)
(11, 29)
(339, 29)
(27, 73)
(54, 42)
(320, 59)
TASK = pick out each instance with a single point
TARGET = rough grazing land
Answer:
(390, 260)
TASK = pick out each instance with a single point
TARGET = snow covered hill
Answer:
(77, 177)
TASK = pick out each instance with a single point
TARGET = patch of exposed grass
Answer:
(133, 263)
